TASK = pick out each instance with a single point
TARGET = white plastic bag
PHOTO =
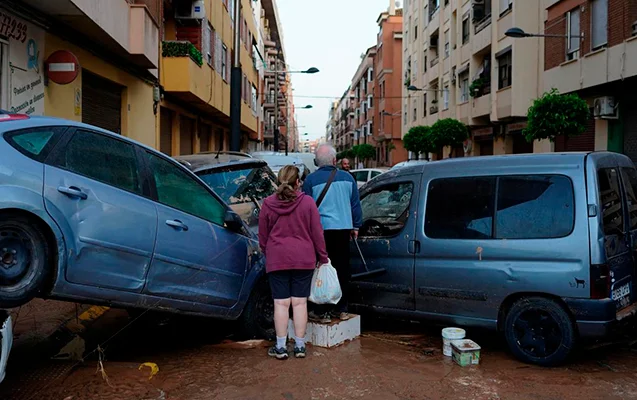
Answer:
(325, 286)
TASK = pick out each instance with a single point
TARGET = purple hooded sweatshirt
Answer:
(291, 234)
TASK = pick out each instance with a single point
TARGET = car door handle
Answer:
(414, 247)
(177, 224)
(73, 191)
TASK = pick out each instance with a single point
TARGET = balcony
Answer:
(127, 30)
(481, 106)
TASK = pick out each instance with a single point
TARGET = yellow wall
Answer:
(59, 101)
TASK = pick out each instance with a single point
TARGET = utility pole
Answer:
(276, 102)
(235, 83)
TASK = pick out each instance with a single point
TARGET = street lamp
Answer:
(518, 33)
(287, 125)
(413, 88)
(311, 70)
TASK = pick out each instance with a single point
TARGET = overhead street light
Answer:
(413, 88)
(287, 127)
(311, 70)
(388, 114)
(518, 33)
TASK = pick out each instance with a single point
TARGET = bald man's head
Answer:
(325, 155)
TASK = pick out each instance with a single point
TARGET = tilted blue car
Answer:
(88, 215)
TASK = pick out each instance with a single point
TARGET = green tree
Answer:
(418, 140)
(365, 152)
(448, 132)
(555, 115)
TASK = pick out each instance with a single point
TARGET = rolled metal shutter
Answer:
(101, 102)
(583, 142)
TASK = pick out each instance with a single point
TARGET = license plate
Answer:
(621, 292)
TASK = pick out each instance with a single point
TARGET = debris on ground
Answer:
(244, 345)
(154, 369)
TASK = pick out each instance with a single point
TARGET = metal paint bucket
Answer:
(448, 335)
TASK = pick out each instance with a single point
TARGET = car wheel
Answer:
(539, 331)
(257, 319)
(24, 261)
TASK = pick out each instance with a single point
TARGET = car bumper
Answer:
(594, 318)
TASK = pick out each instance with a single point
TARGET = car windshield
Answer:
(242, 189)
(280, 161)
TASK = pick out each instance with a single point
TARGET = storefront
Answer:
(482, 141)
(21, 65)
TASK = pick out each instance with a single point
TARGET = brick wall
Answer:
(190, 34)
(621, 15)
(554, 49)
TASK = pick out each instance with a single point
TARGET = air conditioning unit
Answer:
(453, 75)
(188, 9)
(433, 42)
(605, 108)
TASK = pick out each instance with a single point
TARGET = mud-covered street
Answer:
(198, 359)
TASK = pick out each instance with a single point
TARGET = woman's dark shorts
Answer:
(290, 283)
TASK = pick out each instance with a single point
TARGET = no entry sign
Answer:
(62, 67)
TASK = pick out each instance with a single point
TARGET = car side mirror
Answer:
(232, 221)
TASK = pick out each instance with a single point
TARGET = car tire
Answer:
(539, 331)
(257, 319)
(25, 262)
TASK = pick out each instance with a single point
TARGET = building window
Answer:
(504, 70)
(415, 114)
(424, 105)
(208, 44)
(447, 49)
(599, 23)
(224, 62)
(254, 98)
(572, 33)
(370, 131)
(466, 29)
(445, 97)
(370, 75)
(464, 87)
(505, 5)
(424, 63)
(370, 101)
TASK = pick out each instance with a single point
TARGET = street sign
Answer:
(62, 67)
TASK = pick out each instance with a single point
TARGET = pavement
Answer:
(197, 359)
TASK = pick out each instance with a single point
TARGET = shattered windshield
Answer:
(242, 189)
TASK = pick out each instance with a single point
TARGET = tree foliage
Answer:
(555, 115)
(364, 151)
(418, 140)
(448, 132)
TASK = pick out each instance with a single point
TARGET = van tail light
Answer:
(12, 117)
(600, 281)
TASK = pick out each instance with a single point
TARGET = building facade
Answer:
(459, 64)
(157, 71)
(600, 65)
(363, 104)
(388, 67)
(116, 49)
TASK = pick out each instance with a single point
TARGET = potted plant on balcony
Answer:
(554, 115)
(448, 132)
(181, 49)
(476, 89)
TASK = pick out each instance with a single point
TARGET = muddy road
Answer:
(197, 359)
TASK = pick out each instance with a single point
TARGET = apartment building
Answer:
(114, 50)
(195, 110)
(344, 122)
(458, 63)
(597, 58)
(277, 89)
(388, 67)
(363, 104)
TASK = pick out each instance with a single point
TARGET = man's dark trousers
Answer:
(337, 243)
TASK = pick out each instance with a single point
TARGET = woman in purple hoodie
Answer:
(291, 237)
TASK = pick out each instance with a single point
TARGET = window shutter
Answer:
(213, 46)
(218, 52)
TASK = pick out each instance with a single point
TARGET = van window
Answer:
(460, 208)
(611, 201)
(534, 207)
(386, 210)
(630, 182)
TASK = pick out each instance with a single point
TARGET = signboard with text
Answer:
(26, 46)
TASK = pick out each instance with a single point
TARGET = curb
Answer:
(66, 343)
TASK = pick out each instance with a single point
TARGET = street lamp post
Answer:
(235, 84)
(287, 123)
(518, 33)
(312, 70)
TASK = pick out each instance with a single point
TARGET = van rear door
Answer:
(612, 267)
